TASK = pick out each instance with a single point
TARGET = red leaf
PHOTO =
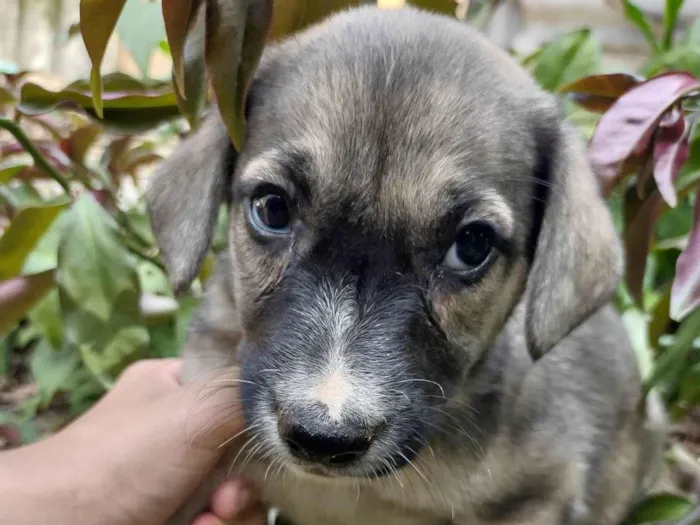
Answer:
(685, 292)
(671, 150)
(626, 130)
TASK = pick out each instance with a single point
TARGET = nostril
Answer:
(332, 448)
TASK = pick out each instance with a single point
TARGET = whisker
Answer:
(239, 453)
(442, 390)
(247, 429)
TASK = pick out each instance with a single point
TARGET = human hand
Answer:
(135, 456)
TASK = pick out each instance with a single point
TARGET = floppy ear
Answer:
(578, 258)
(184, 197)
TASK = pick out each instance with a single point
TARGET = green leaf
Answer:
(661, 507)
(682, 58)
(637, 17)
(19, 294)
(567, 59)
(98, 19)
(691, 38)
(670, 365)
(20, 196)
(25, 230)
(153, 280)
(128, 106)
(141, 30)
(25, 427)
(52, 370)
(690, 386)
(44, 256)
(9, 172)
(670, 18)
(99, 292)
(168, 338)
(46, 317)
(636, 322)
(94, 268)
(5, 350)
(124, 347)
(85, 392)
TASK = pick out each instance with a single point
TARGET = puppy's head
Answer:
(403, 187)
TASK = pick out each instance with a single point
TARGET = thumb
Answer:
(208, 411)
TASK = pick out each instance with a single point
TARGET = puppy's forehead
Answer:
(396, 114)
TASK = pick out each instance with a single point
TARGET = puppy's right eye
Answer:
(270, 214)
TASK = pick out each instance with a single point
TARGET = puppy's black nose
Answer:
(326, 443)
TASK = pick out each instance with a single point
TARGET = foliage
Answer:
(83, 292)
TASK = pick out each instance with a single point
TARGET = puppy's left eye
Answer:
(472, 247)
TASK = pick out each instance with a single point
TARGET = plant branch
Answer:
(39, 159)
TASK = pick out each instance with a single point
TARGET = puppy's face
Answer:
(385, 220)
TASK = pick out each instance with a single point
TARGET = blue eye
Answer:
(270, 213)
(471, 248)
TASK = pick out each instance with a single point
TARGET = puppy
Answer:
(416, 288)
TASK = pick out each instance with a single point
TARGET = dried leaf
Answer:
(290, 16)
(177, 15)
(599, 92)
(639, 228)
(447, 7)
(78, 143)
(236, 34)
(98, 18)
(685, 292)
(671, 150)
(626, 129)
(192, 93)
(20, 294)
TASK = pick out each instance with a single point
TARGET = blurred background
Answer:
(42, 35)
(83, 292)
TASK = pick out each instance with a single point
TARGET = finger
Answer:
(209, 410)
(255, 516)
(167, 369)
(207, 519)
(233, 497)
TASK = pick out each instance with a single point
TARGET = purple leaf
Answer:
(625, 131)
(685, 292)
(671, 150)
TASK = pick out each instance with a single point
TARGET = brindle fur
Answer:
(514, 399)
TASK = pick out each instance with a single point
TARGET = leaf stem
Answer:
(39, 159)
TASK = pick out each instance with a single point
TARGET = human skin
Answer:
(134, 457)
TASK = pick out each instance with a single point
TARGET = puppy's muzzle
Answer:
(324, 442)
